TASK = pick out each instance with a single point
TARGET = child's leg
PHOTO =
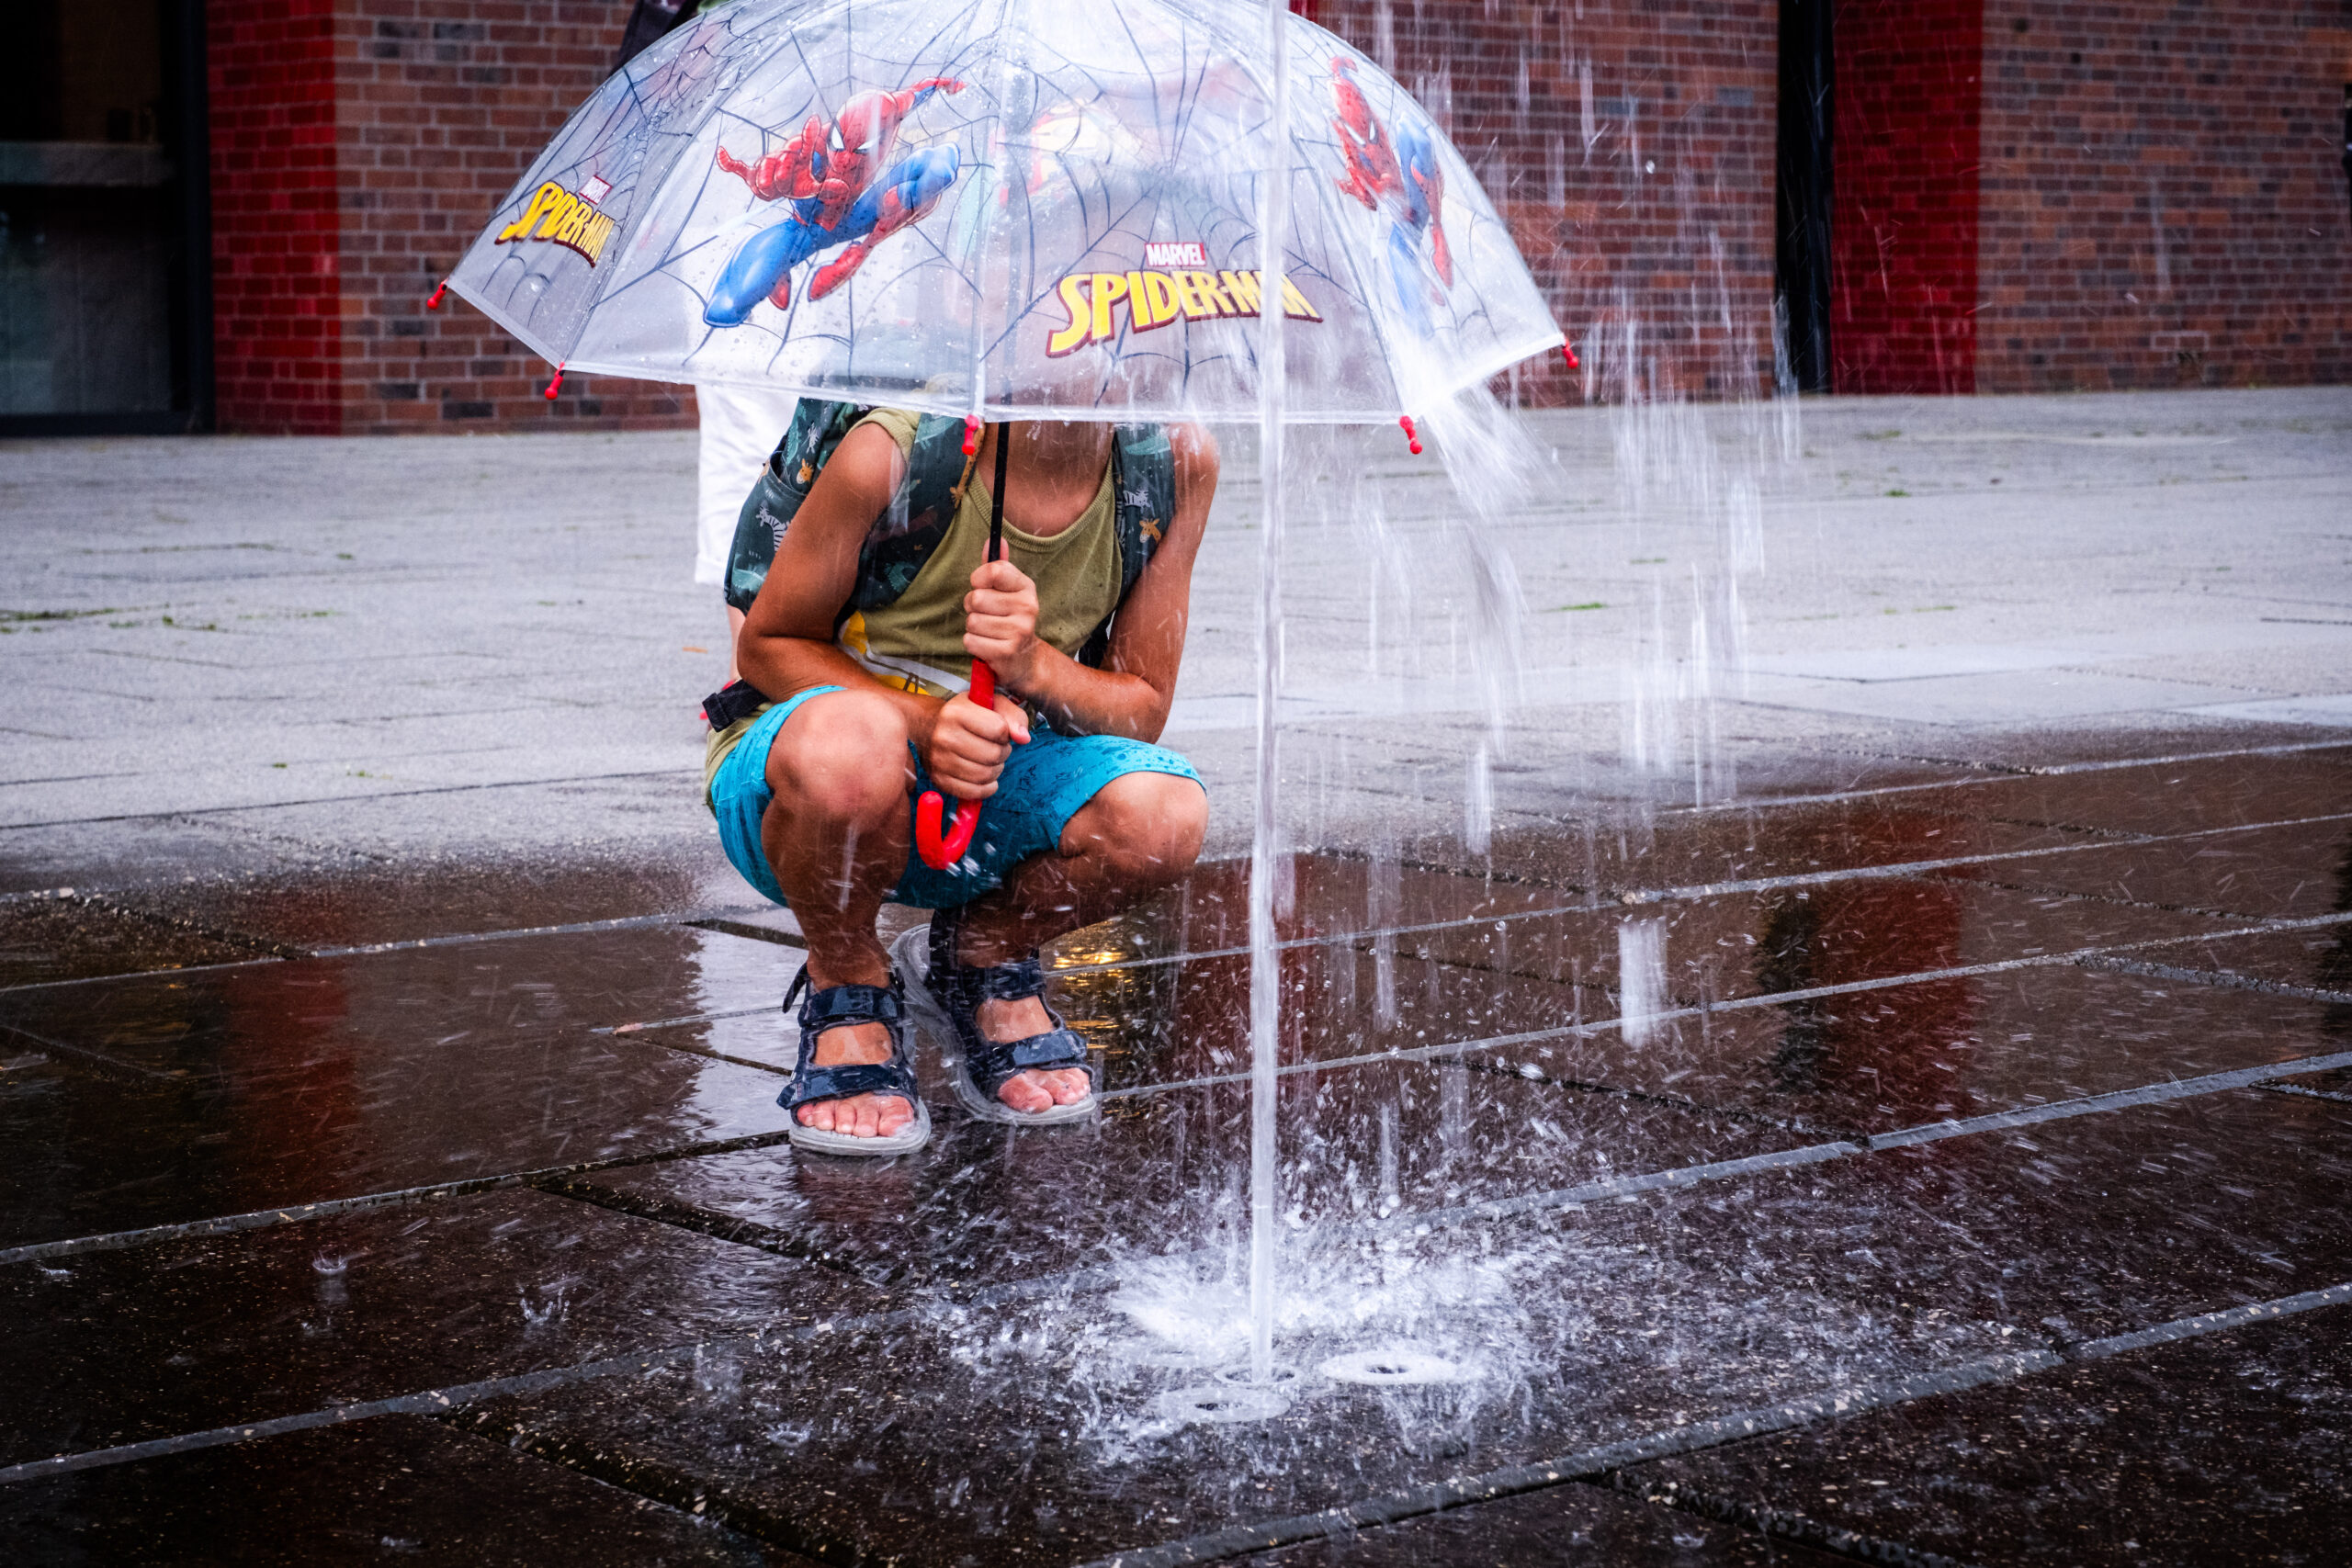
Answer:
(836, 834)
(1140, 832)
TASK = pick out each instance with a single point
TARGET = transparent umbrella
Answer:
(1008, 209)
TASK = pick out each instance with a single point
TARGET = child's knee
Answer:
(843, 754)
(1150, 825)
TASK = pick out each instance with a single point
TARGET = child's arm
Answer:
(787, 644)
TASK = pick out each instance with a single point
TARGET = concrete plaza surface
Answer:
(1824, 1033)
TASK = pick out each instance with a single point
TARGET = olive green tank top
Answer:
(917, 642)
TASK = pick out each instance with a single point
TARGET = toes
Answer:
(1069, 1086)
(1023, 1092)
(895, 1115)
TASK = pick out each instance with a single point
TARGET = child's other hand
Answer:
(1000, 622)
(970, 744)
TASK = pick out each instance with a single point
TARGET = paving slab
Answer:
(1638, 856)
(398, 1487)
(52, 938)
(107, 1349)
(2170, 798)
(1589, 1325)
(910, 1431)
(424, 897)
(283, 1083)
(2065, 1230)
(2225, 1449)
(1577, 1523)
(1708, 950)
(1880, 1060)
(2277, 873)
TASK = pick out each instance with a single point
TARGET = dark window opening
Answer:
(1801, 258)
(105, 308)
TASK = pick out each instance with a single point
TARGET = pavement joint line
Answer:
(2311, 1093)
(1873, 1142)
(358, 800)
(294, 1213)
(1674, 1102)
(98, 1061)
(363, 950)
(1776, 1523)
(2223, 979)
(1597, 1464)
(2076, 896)
(1738, 1004)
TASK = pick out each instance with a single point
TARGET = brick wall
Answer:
(1630, 145)
(2156, 196)
(1904, 216)
(358, 146)
(444, 103)
(276, 252)
(2162, 203)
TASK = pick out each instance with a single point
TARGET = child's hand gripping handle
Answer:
(941, 850)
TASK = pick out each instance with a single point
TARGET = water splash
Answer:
(1641, 978)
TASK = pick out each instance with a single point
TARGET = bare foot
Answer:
(1038, 1089)
(859, 1115)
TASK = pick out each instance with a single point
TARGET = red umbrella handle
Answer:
(940, 850)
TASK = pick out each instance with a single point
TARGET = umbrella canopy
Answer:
(1005, 208)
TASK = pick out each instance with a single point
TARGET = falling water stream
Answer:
(1265, 963)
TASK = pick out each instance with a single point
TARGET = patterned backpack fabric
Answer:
(1143, 481)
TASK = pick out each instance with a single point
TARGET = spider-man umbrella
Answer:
(1006, 210)
(1010, 209)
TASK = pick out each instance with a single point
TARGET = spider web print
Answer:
(1010, 208)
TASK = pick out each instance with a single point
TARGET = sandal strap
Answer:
(1013, 982)
(813, 1082)
(838, 1005)
(994, 1061)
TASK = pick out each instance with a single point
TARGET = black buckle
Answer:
(731, 704)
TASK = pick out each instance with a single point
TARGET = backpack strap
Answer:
(817, 428)
(1143, 482)
(904, 537)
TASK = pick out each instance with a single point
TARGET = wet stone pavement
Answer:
(1912, 1127)
(1948, 1173)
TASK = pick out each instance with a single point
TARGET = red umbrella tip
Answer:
(1568, 352)
(556, 385)
(971, 434)
(1411, 435)
(434, 301)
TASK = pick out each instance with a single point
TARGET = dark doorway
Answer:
(1802, 255)
(105, 291)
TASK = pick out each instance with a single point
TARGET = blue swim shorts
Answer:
(1044, 785)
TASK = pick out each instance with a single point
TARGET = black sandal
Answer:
(950, 996)
(834, 1008)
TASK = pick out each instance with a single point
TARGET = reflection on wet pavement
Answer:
(2247, 1466)
(399, 1486)
(1662, 1140)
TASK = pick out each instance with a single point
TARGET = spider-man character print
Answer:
(840, 188)
(1399, 180)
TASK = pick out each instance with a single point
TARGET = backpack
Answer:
(1143, 485)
